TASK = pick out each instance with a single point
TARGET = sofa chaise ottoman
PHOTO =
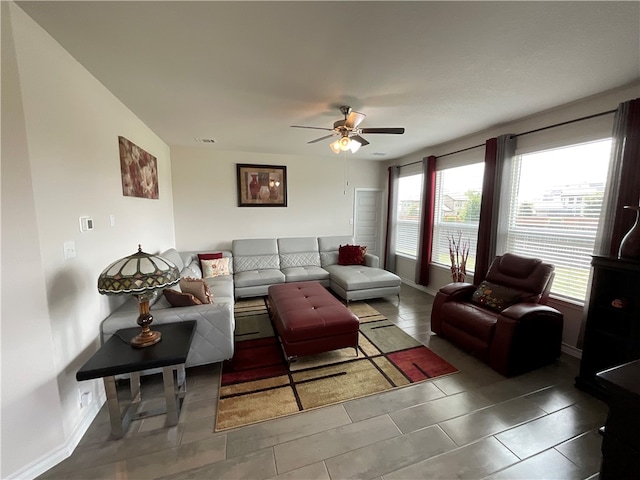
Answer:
(310, 320)
(356, 282)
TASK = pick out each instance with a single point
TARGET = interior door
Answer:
(367, 225)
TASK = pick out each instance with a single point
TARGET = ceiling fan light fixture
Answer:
(354, 146)
(335, 146)
(345, 143)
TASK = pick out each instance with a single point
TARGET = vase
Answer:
(630, 244)
(457, 275)
(254, 187)
(264, 192)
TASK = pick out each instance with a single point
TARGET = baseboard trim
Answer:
(428, 290)
(570, 350)
(64, 451)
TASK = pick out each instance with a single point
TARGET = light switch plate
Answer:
(69, 249)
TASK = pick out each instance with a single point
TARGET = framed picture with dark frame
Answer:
(262, 185)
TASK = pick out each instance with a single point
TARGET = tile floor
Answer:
(475, 424)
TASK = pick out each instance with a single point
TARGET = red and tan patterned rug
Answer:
(258, 385)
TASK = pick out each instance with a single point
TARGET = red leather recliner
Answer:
(511, 338)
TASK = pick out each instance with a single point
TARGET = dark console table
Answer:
(117, 357)
(612, 330)
(621, 442)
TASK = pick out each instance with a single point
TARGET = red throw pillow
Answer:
(208, 256)
(351, 255)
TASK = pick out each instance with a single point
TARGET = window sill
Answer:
(408, 257)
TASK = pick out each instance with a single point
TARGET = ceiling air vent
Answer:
(205, 140)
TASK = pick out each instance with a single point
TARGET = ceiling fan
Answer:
(349, 131)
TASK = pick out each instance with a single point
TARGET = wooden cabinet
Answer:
(612, 331)
(620, 442)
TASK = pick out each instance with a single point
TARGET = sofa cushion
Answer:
(256, 262)
(196, 286)
(304, 274)
(221, 288)
(351, 255)
(254, 278)
(215, 267)
(496, 297)
(360, 277)
(192, 270)
(173, 256)
(329, 247)
(468, 317)
(302, 259)
(180, 299)
(298, 252)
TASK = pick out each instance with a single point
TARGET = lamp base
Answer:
(145, 339)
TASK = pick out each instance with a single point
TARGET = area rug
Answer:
(257, 384)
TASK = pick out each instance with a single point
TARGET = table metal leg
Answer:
(175, 386)
(117, 429)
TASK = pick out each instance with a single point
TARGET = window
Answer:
(554, 208)
(408, 220)
(457, 210)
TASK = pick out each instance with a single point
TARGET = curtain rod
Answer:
(444, 155)
(588, 117)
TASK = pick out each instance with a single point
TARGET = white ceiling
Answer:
(243, 72)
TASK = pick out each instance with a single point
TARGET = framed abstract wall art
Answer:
(261, 185)
(139, 170)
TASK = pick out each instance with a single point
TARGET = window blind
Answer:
(553, 210)
(408, 219)
(457, 210)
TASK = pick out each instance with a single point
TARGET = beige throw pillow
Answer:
(215, 267)
(197, 287)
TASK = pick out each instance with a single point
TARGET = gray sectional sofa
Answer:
(260, 263)
(255, 265)
(213, 339)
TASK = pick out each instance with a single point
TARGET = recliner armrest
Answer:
(522, 311)
(458, 291)
(527, 335)
(453, 292)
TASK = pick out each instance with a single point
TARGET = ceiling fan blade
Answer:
(322, 138)
(359, 139)
(354, 119)
(397, 131)
(314, 128)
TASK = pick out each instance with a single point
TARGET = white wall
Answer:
(60, 161)
(319, 202)
(580, 131)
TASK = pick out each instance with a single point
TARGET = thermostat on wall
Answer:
(86, 224)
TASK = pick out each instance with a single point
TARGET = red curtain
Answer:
(484, 254)
(426, 223)
(629, 189)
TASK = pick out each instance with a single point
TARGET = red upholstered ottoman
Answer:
(309, 319)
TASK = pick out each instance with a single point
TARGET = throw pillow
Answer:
(495, 296)
(215, 268)
(180, 299)
(208, 256)
(197, 287)
(351, 255)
